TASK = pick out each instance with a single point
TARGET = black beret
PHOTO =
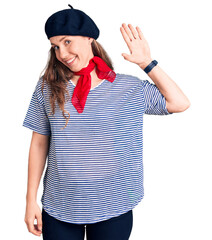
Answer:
(71, 22)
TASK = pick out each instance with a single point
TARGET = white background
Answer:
(177, 156)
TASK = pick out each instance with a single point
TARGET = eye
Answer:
(67, 41)
(55, 47)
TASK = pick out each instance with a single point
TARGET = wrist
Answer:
(145, 63)
(31, 198)
(149, 67)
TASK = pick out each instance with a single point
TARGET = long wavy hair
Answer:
(57, 76)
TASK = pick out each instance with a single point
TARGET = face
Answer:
(73, 51)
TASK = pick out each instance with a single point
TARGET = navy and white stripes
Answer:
(95, 167)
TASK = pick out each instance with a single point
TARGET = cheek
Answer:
(58, 56)
(76, 50)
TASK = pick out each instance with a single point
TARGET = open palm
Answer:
(137, 44)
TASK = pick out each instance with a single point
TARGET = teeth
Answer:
(71, 60)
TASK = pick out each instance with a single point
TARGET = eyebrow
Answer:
(59, 40)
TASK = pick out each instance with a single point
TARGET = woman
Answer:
(88, 120)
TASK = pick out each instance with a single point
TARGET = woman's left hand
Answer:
(137, 44)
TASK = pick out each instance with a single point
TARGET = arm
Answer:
(37, 159)
(176, 101)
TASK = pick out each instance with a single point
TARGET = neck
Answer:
(93, 74)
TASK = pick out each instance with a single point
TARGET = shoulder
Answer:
(127, 77)
(41, 83)
(129, 80)
(41, 89)
(121, 77)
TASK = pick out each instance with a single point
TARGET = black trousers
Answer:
(116, 228)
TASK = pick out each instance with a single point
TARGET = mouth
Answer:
(70, 61)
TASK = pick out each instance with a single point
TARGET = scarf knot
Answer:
(84, 83)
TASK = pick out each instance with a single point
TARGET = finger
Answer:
(37, 229)
(140, 33)
(125, 36)
(39, 220)
(135, 34)
(127, 57)
(129, 33)
(33, 227)
(30, 225)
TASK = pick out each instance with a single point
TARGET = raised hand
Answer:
(137, 44)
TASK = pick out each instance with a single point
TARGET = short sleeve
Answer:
(36, 118)
(154, 101)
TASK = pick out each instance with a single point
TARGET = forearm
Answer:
(176, 100)
(36, 163)
(140, 54)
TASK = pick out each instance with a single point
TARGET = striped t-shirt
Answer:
(95, 166)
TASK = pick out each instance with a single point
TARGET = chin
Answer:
(75, 69)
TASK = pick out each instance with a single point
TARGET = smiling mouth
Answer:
(71, 60)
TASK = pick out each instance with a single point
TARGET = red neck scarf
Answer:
(84, 83)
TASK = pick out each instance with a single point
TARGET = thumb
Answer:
(126, 56)
(39, 222)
